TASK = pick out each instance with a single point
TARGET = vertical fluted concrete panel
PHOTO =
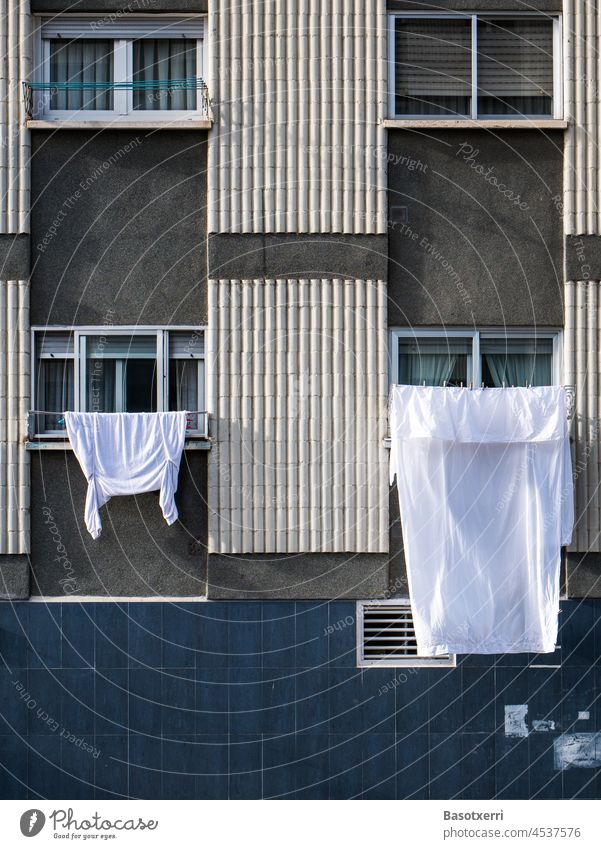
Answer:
(299, 95)
(298, 406)
(15, 65)
(15, 381)
(582, 216)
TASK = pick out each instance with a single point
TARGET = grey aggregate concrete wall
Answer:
(251, 256)
(481, 241)
(118, 224)
(134, 6)
(297, 576)
(14, 576)
(14, 257)
(137, 554)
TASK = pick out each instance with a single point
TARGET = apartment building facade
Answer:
(266, 214)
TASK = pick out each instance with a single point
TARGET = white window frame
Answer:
(475, 378)
(557, 110)
(49, 28)
(399, 662)
(79, 357)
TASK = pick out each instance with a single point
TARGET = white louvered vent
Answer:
(386, 636)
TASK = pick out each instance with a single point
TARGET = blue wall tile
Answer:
(212, 768)
(78, 635)
(312, 626)
(246, 766)
(145, 631)
(245, 635)
(413, 766)
(14, 627)
(145, 767)
(13, 767)
(212, 701)
(111, 701)
(313, 727)
(178, 696)
(278, 630)
(346, 766)
(45, 635)
(111, 766)
(379, 766)
(312, 766)
(180, 635)
(111, 635)
(279, 766)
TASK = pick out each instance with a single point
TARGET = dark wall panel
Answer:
(263, 700)
(118, 227)
(137, 554)
(475, 230)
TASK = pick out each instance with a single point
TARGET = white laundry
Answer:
(127, 454)
(486, 498)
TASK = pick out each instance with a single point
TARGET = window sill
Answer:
(200, 444)
(159, 124)
(474, 123)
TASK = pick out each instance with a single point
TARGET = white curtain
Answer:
(165, 73)
(57, 392)
(87, 66)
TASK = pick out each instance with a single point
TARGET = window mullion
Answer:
(476, 364)
(162, 363)
(121, 96)
(474, 66)
(79, 346)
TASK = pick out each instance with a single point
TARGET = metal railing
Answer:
(197, 425)
(154, 86)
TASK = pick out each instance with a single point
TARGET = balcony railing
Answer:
(48, 424)
(157, 87)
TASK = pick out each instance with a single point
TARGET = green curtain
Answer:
(433, 369)
(515, 369)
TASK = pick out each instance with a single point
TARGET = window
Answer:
(475, 66)
(386, 636)
(130, 67)
(461, 358)
(113, 370)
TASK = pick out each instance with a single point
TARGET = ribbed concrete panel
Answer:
(15, 62)
(582, 215)
(298, 395)
(15, 378)
(299, 90)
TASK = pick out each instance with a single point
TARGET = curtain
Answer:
(165, 71)
(434, 369)
(183, 388)
(515, 67)
(101, 386)
(87, 65)
(57, 392)
(519, 369)
(433, 67)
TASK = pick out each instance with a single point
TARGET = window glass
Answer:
(435, 362)
(164, 73)
(121, 374)
(55, 393)
(515, 66)
(516, 362)
(433, 66)
(82, 74)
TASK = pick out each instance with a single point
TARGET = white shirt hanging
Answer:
(486, 498)
(127, 454)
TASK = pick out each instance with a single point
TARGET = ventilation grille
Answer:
(386, 636)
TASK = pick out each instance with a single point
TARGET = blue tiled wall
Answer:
(251, 700)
